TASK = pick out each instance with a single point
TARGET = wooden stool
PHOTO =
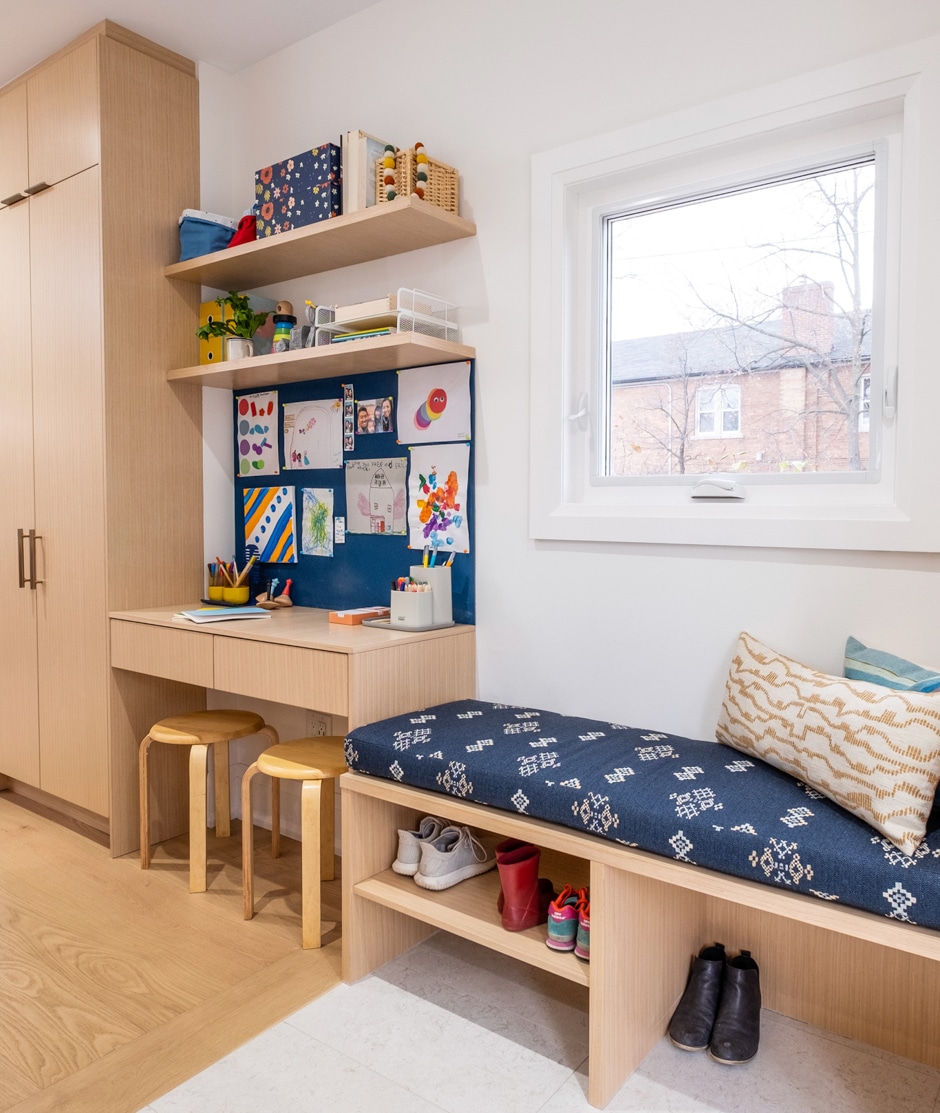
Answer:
(200, 730)
(311, 760)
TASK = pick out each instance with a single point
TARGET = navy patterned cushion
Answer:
(697, 802)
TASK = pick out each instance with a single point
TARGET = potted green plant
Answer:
(237, 327)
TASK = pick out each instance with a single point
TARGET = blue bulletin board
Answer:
(360, 571)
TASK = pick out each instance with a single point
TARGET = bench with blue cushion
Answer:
(696, 802)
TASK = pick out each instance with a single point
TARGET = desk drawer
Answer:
(184, 655)
(312, 678)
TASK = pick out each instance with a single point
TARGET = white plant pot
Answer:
(239, 347)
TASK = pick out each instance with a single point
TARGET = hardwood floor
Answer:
(117, 984)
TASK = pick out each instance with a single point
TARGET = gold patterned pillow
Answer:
(872, 750)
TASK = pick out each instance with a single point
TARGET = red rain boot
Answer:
(525, 896)
(503, 848)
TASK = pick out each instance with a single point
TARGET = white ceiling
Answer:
(230, 34)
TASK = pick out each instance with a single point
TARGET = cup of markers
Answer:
(228, 585)
(412, 603)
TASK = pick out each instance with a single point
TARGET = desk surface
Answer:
(305, 627)
(298, 657)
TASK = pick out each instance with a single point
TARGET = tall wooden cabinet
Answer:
(98, 157)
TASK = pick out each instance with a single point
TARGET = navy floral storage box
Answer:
(299, 191)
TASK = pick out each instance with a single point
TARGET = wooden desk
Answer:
(297, 657)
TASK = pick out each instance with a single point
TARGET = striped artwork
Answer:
(269, 523)
(872, 750)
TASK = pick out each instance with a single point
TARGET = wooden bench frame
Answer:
(851, 972)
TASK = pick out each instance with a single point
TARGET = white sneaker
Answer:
(453, 856)
(410, 843)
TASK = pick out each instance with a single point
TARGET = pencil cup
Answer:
(411, 609)
(439, 579)
(235, 595)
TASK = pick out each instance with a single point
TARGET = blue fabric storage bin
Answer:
(202, 233)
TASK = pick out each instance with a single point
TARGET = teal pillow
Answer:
(862, 663)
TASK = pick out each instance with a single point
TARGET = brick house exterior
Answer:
(788, 393)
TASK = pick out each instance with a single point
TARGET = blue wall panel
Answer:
(361, 570)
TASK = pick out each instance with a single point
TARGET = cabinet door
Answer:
(62, 103)
(19, 724)
(68, 430)
(13, 165)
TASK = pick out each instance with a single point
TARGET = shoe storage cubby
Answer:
(859, 975)
(468, 909)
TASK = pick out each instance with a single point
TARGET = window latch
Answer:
(581, 413)
(891, 393)
(717, 487)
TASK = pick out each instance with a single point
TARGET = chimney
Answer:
(807, 318)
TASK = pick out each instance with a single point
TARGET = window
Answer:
(800, 360)
(864, 404)
(767, 285)
(718, 411)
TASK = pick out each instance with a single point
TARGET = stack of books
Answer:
(377, 317)
(222, 614)
(364, 334)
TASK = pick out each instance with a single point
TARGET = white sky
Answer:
(665, 264)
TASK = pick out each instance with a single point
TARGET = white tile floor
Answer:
(450, 1027)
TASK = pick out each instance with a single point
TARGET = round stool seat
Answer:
(304, 759)
(310, 761)
(206, 727)
(201, 731)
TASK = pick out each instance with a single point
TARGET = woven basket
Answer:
(440, 189)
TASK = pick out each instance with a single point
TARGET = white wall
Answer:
(638, 634)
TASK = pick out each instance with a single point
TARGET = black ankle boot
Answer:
(691, 1024)
(736, 1033)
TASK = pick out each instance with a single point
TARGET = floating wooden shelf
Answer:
(392, 228)
(383, 353)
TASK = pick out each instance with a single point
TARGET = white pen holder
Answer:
(411, 610)
(439, 579)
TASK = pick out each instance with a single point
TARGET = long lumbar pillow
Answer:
(870, 749)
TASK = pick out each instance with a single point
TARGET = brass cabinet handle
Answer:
(37, 188)
(20, 534)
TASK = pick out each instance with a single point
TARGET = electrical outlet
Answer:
(318, 724)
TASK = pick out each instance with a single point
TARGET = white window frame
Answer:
(892, 97)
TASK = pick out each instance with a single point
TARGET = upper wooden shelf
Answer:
(392, 228)
(382, 353)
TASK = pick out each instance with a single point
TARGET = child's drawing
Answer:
(375, 496)
(434, 403)
(313, 434)
(256, 434)
(317, 522)
(269, 523)
(437, 494)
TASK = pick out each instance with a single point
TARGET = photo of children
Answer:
(375, 415)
